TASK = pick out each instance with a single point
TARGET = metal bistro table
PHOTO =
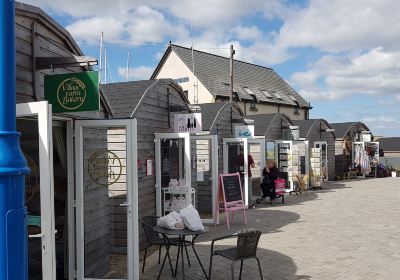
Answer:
(181, 233)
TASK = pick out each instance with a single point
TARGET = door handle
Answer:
(39, 235)
(125, 204)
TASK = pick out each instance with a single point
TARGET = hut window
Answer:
(235, 96)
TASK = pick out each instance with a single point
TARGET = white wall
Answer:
(175, 68)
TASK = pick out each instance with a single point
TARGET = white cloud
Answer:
(247, 32)
(374, 73)
(136, 73)
(341, 25)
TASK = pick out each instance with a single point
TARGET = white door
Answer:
(236, 160)
(35, 120)
(204, 151)
(301, 158)
(172, 162)
(323, 145)
(256, 148)
(106, 199)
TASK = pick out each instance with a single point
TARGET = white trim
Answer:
(241, 141)
(214, 171)
(188, 179)
(43, 112)
(132, 197)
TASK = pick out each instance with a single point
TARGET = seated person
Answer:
(270, 174)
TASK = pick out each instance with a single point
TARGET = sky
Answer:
(342, 56)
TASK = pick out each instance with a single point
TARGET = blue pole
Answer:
(13, 166)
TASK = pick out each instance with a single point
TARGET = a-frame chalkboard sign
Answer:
(230, 195)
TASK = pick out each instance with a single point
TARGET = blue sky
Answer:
(342, 56)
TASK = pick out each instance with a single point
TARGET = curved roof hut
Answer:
(319, 130)
(346, 133)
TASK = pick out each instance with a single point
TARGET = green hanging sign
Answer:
(74, 92)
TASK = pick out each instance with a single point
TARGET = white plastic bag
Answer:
(171, 221)
(191, 218)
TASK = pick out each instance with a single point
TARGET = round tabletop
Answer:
(182, 232)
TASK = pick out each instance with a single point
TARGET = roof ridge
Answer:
(241, 61)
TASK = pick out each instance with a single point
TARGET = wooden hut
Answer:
(346, 134)
(153, 103)
(44, 47)
(320, 134)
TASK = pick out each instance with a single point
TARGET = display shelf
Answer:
(177, 195)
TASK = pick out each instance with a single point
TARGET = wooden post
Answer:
(231, 72)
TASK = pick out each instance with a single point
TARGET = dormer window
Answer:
(249, 91)
(266, 93)
(253, 104)
(274, 93)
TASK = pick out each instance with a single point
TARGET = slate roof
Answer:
(125, 96)
(211, 111)
(262, 122)
(305, 126)
(341, 129)
(213, 71)
(389, 144)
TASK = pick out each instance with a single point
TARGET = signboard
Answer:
(73, 92)
(290, 134)
(244, 131)
(232, 187)
(366, 137)
(230, 193)
(187, 123)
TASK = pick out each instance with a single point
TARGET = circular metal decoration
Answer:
(71, 93)
(104, 168)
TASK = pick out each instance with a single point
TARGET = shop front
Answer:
(282, 145)
(81, 194)
(321, 145)
(347, 134)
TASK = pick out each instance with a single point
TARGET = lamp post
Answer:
(13, 166)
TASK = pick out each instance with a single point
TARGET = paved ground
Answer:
(349, 230)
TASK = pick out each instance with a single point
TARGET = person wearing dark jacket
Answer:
(270, 174)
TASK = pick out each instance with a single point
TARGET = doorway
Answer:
(34, 122)
(235, 152)
(172, 167)
(323, 146)
(204, 173)
(106, 199)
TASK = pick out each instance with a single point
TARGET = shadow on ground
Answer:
(274, 265)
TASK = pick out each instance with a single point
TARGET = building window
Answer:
(253, 104)
(186, 93)
(249, 91)
(291, 97)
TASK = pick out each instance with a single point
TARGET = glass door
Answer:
(323, 145)
(34, 122)
(172, 170)
(256, 149)
(106, 199)
(205, 174)
(236, 160)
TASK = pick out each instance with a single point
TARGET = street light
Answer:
(13, 166)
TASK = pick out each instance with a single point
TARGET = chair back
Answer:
(247, 243)
(148, 223)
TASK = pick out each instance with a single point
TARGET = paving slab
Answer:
(349, 230)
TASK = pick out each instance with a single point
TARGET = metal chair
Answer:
(153, 238)
(246, 248)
